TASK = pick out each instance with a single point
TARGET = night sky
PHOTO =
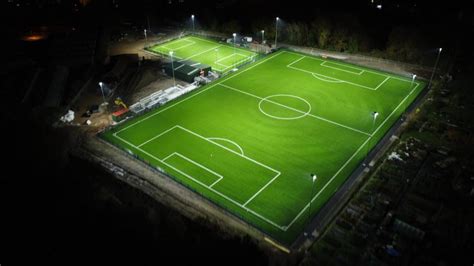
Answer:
(69, 220)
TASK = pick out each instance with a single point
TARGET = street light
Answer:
(102, 90)
(263, 36)
(434, 69)
(192, 18)
(172, 68)
(313, 179)
(276, 30)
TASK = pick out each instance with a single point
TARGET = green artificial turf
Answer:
(249, 142)
(220, 56)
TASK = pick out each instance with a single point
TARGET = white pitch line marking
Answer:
(157, 136)
(294, 109)
(314, 73)
(179, 47)
(326, 80)
(283, 228)
(353, 155)
(260, 190)
(193, 95)
(230, 141)
(200, 53)
(197, 164)
(284, 95)
(237, 48)
(364, 70)
(340, 69)
(387, 78)
(224, 147)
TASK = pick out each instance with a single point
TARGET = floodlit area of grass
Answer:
(250, 141)
(221, 57)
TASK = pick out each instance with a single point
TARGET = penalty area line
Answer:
(283, 228)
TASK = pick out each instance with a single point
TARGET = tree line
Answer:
(342, 33)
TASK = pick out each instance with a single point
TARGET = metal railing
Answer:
(222, 207)
(396, 67)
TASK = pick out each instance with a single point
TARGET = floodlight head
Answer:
(375, 114)
(234, 34)
(192, 16)
(414, 76)
(263, 31)
(171, 52)
(100, 83)
(277, 18)
(440, 49)
(313, 176)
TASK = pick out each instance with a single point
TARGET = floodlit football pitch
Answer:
(221, 57)
(249, 142)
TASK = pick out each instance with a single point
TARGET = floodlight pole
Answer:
(276, 30)
(413, 80)
(192, 18)
(148, 22)
(374, 115)
(102, 90)
(313, 180)
(234, 34)
(263, 36)
(434, 69)
(172, 68)
(146, 39)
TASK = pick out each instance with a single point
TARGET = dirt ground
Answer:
(161, 82)
(132, 47)
(147, 79)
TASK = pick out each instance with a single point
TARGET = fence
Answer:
(216, 37)
(399, 68)
(160, 171)
(392, 66)
(160, 98)
(396, 67)
(244, 63)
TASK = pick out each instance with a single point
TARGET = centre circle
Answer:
(268, 99)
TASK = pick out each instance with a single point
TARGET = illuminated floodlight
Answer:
(313, 178)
